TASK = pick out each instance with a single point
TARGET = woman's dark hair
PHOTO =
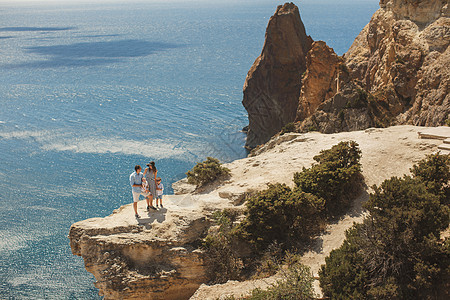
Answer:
(137, 167)
(152, 163)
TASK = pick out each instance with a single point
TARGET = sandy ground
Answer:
(385, 153)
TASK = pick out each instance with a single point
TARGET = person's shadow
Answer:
(152, 215)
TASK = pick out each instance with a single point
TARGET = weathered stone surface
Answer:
(419, 11)
(432, 103)
(272, 86)
(399, 66)
(320, 81)
(154, 257)
(183, 187)
(345, 111)
(404, 48)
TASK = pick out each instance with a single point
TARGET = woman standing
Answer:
(150, 176)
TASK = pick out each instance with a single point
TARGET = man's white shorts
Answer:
(137, 194)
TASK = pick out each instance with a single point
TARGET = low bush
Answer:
(279, 214)
(396, 252)
(224, 262)
(336, 177)
(206, 172)
(284, 218)
(289, 127)
(435, 173)
(296, 284)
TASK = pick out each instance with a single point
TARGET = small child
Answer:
(159, 192)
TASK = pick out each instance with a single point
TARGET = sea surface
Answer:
(88, 90)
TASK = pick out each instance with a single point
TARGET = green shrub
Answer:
(343, 67)
(336, 177)
(206, 172)
(434, 171)
(296, 284)
(279, 214)
(447, 122)
(396, 252)
(269, 262)
(224, 262)
(344, 275)
(312, 127)
(289, 127)
(360, 102)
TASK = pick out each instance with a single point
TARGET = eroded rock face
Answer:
(153, 258)
(432, 102)
(272, 86)
(404, 49)
(397, 71)
(320, 81)
(419, 11)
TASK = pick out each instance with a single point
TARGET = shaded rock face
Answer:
(432, 103)
(404, 49)
(272, 86)
(345, 111)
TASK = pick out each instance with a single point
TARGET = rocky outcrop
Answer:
(345, 111)
(397, 71)
(272, 86)
(320, 81)
(403, 51)
(155, 257)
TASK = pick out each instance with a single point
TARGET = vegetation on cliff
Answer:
(291, 217)
(396, 253)
(207, 171)
(336, 178)
(284, 218)
(296, 283)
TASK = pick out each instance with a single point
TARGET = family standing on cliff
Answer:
(147, 185)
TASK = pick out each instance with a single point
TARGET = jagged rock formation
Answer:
(402, 58)
(320, 81)
(272, 86)
(397, 71)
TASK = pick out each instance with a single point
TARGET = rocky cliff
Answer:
(402, 58)
(157, 256)
(272, 86)
(154, 257)
(397, 71)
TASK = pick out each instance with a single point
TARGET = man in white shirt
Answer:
(136, 185)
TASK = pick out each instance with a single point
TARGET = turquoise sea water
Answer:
(89, 90)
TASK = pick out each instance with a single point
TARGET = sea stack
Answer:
(273, 83)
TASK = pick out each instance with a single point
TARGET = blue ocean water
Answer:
(89, 90)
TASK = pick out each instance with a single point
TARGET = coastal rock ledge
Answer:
(158, 256)
(150, 258)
